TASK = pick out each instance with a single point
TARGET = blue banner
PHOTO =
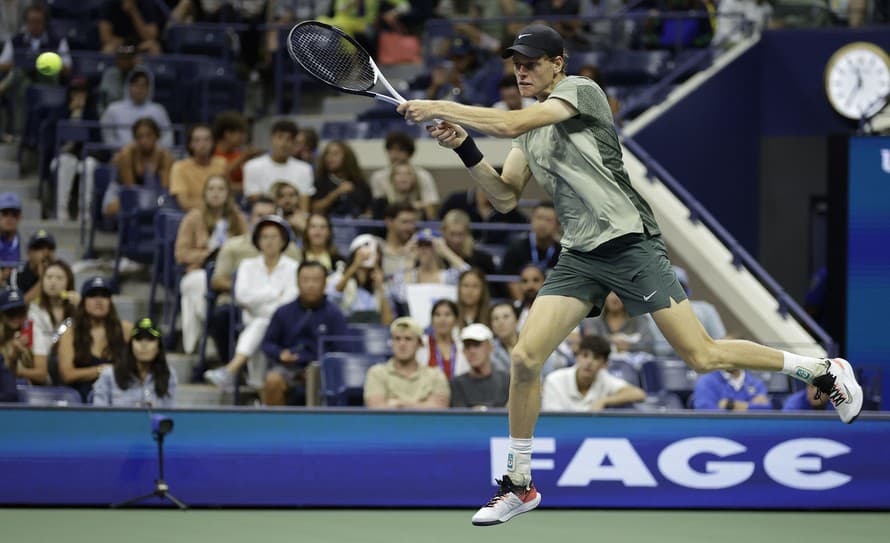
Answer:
(868, 256)
(354, 458)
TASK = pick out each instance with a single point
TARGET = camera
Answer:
(161, 425)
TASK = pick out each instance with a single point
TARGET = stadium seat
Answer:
(362, 338)
(200, 39)
(662, 401)
(165, 271)
(91, 65)
(636, 67)
(102, 178)
(49, 396)
(80, 36)
(210, 298)
(624, 370)
(343, 377)
(136, 235)
(669, 376)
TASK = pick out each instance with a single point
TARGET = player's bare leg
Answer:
(689, 339)
(550, 320)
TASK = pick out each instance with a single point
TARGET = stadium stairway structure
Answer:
(131, 302)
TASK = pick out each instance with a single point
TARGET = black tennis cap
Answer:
(535, 41)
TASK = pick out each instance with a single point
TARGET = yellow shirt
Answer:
(187, 179)
(384, 380)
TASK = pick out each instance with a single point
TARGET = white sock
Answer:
(519, 461)
(804, 368)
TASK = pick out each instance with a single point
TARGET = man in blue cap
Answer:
(41, 251)
(611, 243)
(10, 215)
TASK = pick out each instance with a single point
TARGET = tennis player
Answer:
(611, 242)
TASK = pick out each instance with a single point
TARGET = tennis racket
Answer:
(336, 59)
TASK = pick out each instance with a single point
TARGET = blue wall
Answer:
(357, 458)
(710, 141)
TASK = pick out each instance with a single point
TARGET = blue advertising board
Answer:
(350, 458)
(868, 256)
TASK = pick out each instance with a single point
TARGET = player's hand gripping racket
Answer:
(336, 59)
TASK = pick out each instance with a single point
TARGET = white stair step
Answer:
(182, 365)
(9, 169)
(199, 395)
(10, 181)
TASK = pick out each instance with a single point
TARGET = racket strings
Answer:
(332, 58)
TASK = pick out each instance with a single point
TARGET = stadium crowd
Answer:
(258, 228)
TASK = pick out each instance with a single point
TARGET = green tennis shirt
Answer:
(578, 163)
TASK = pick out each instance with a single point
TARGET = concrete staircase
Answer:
(133, 301)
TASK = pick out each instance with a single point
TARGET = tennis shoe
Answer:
(839, 383)
(510, 500)
(220, 377)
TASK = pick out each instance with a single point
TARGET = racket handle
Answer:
(387, 99)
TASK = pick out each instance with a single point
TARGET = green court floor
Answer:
(396, 526)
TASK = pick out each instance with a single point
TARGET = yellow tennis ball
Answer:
(49, 63)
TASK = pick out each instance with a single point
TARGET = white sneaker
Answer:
(510, 500)
(220, 377)
(129, 266)
(839, 383)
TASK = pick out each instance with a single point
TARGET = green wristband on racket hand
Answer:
(468, 152)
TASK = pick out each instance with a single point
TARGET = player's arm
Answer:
(494, 122)
(503, 189)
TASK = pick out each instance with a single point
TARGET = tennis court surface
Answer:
(396, 526)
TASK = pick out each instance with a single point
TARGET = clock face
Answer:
(857, 79)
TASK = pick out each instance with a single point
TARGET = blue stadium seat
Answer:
(362, 338)
(345, 130)
(636, 67)
(80, 35)
(102, 178)
(200, 39)
(668, 375)
(136, 235)
(624, 370)
(91, 65)
(165, 271)
(84, 10)
(343, 377)
(662, 401)
(49, 396)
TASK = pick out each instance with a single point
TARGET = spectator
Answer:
(35, 38)
(442, 347)
(705, 311)
(230, 131)
(265, 283)
(470, 76)
(358, 288)
(456, 232)
(360, 18)
(264, 171)
(733, 390)
(67, 163)
(287, 200)
(16, 337)
(234, 251)
(8, 386)
(484, 385)
(401, 222)
(114, 77)
(399, 150)
(540, 247)
(473, 298)
(474, 202)
(626, 333)
(305, 145)
(531, 279)
(505, 325)
(511, 100)
(431, 256)
(10, 216)
(402, 382)
(118, 118)
(588, 386)
(189, 175)
(56, 303)
(129, 22)
(41, 251)
(403, 187)
(808, 399)
(504, 319)
(318, 243)
(201, 234)
(140, 378)
(96, 340)
(143, 162)
(340, 187)
(291, 341)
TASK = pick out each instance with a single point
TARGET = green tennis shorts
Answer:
(635, 267)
